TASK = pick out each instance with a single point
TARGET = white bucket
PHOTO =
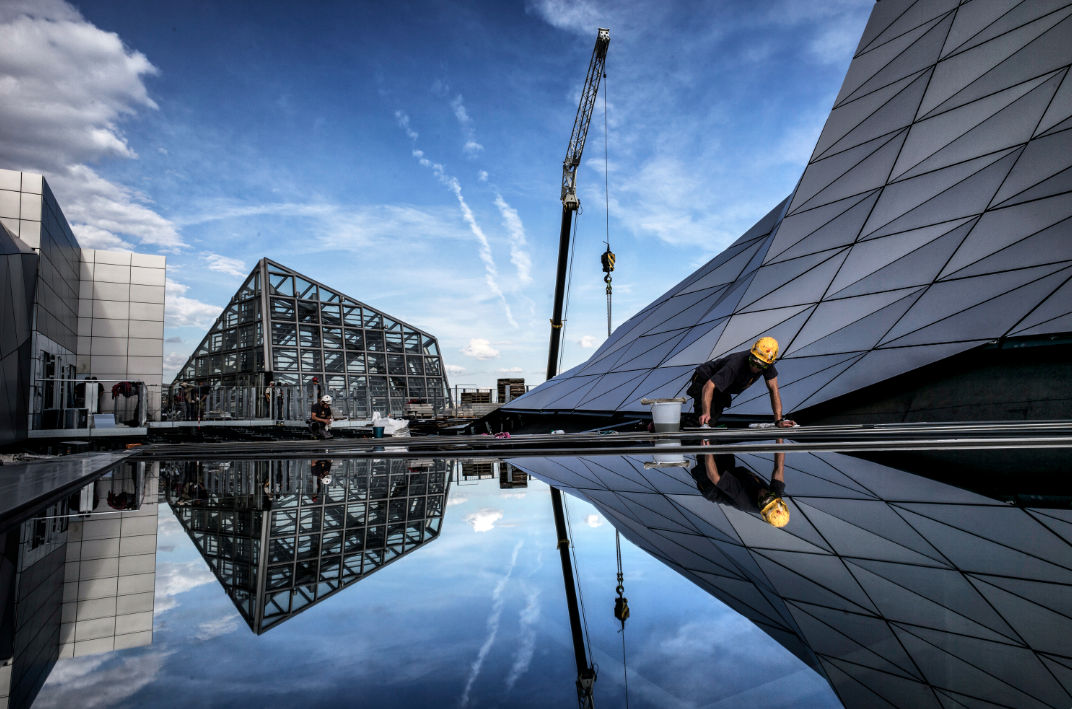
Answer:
(667, 460)
(665, 414)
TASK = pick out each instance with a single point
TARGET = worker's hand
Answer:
(705, 419)
(786, 423)
(704, 442)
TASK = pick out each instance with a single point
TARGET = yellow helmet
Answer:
(775, 511)
(765, 350)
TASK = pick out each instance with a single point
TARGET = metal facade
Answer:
(900, 590)
(298, 329)
(18, 277)
(932, 218)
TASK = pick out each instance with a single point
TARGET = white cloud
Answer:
(509, 370)
(403, 121)
(100, 680)
(173, 340)
(484, 519)
(493, 626)
(512, 495)
(456, 500)
(471, 147)
(482, 175)
(215, 628)
(223, 264)
(518, 255)
(454, 368)
(180, 311)
(593, 521)
(65, 88)
(173, 578)
(587, 342)
(479, 349)
(528, 619)
(173, 361)
(580, 16)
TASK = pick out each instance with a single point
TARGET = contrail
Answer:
(530, 615)
(518, 255)
(493, 626)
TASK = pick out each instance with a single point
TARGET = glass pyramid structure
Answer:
(900, 590)
(932, 218)
(287, 324)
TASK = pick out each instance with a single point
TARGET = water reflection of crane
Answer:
(586, 675)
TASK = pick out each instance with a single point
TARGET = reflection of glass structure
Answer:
(900, 590)
(319, 539)
(933, 218)
(281, 322)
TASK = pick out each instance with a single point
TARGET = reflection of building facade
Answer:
(285, 324)
(901, 591)
(932, 222)
(276, 557)
(511, 476)
(78, 579)
(73, 313)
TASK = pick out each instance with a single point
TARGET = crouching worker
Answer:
(715, 383)
(721, 480)
(321, 418)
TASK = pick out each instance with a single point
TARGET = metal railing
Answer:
(85, 409)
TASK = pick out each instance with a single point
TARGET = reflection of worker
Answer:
(321, 418)
(721, 480)
(714, 383)
(321, 477)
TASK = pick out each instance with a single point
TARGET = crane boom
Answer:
(586, 675)
(584, 114)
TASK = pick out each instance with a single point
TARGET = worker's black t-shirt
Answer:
(737, 486)
(321, 467)
(322, 411)
(731, 375)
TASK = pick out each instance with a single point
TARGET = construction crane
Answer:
(586, 675)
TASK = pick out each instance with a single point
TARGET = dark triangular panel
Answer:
(834, 315)
(895, 114)
(876, 517)
(871, 172)
(1041, 628)
(846, 117)
(1057, 305)
(973, 19)
(696, 347)
(1042, 159)
(799, 225)
(841, 231)
(809, 287)
(1060, 109)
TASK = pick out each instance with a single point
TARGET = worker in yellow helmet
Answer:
(721, 480)
(714, 383)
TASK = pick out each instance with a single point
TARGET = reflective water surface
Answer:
(374, 582)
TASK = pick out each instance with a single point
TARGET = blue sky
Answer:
(410, 154)
(482, 606)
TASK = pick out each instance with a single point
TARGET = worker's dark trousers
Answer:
(319, 430)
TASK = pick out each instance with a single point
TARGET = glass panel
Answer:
(416, 388)
(412, 342)
(430, 346)
(378, 394)
(351, 315)
(248, 311)
(246, 336)
(310, 336)
(230, 362)
(394, 341)
(355, 363)
(359, 391)
(396, 364)
(282, 309)
(329, 315)
(376, 364)
(280, 284)
(308, 311)
(373, 321)
(333, 337)
(284, 360)
(336, 384)
(230, 316)
(432, 365)
(285, 334)
(391, 325)
(415, 366)
(215, 342)
(329, 296)
(355, 339)
(230, 339)
(306, 290)
(215, 364)
(249, 288)
(398, 387)
(374, 340)
(333, 362)
(245, 361)
(310, 360)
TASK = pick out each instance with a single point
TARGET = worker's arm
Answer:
(706, 396)
(317, 418)
(779, 467)
(776, 404)
(712, 469)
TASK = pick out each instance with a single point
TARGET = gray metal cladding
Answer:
(18, 278)
(933, 216)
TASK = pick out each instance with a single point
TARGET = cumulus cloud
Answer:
(454, 368)
(174, 578)
(100, 680)
(493, 626)
(456, 500)
(173, 361)
(479, 348)
(509, 370)
(180, 311)
(484, 519)
(224, 264)
(471, 147)
(518, 255)
(593, 521)
(65, 88)
(580, 16)
(587, 342)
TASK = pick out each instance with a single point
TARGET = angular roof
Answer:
(933, 217)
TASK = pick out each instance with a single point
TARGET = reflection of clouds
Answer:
(81, 682)
(219, 626)
(173, 578)
(529, 617)
(168, 526)
(457, 500)
(515, 495)
(484, 519)
(493, 623)
(593, 521)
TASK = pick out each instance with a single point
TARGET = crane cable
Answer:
(608, 256)
(621, 610)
